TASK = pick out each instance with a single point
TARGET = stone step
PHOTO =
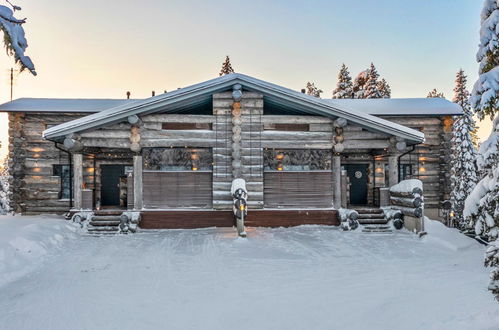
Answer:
(371, 216)
(100, 223)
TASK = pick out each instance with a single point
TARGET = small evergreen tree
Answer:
(463, 156)
(434, 93)
(226, 67)
(313, 90)
(4, 189)
(359, 84)
(384, 89)
(344, 87)
(371, 89)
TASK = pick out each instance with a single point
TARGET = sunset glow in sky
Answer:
(101, 49)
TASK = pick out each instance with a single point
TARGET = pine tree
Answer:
(485, 95)
(312, 90)
(226, 67)
(463, 161)
(384, 89)
(344, 87)
(434, 93)
(359, 84)
(371, 89)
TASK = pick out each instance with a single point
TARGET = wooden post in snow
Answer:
(137, 182)
(78, 181)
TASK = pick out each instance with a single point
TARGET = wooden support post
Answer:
(337, 181)
(78, 181)
(137, 183)
(393, 176)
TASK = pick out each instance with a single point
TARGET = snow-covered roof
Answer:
(402, 107)
(198, 93)
(61, 105)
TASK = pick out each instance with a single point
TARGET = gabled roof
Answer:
(199, 93)
(61, 105)
(402, 107)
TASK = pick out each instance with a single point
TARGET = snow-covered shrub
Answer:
(344, 87)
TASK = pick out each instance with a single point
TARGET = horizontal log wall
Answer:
(34, 188)
(434, 153)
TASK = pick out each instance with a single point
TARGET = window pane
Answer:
(63, 171)
(297, 159)
(178, 159)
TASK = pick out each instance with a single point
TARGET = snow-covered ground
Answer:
(309, 277)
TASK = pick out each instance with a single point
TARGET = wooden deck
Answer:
(188, 219)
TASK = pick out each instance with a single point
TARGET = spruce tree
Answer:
(313, 90)
(482, 206)
(384, 89)
(371, 89)
(359, 84)
(4, 189)
(434, 93)
(485, 95)
(344, 87)
(463, 156)
(226, 67)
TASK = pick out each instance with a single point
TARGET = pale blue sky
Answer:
(104, 48)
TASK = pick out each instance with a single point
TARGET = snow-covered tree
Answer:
(485, 95)
(384, 89)
(344, 87)
(359, 84)
(463, 161)
(4, 189)
(226, 67)
(14, 38)
(435, 93)
(313, 90)
(371, 89)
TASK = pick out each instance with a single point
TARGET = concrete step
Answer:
(377, 229)
(369, 211)
(371, 216)
(99, 229)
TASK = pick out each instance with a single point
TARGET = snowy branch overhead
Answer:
(14, 38)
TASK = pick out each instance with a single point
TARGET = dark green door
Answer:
(357, 173)
(110, 184)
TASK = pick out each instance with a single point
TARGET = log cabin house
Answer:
(171, 158)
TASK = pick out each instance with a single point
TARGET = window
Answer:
(405, 171)
(297, 159)
(63, 171)
(186, 126)
(178, 159)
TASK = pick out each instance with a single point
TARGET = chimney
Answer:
(153, 93)
(128, 95)
(303, 90)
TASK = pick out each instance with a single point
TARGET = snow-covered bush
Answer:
(313, 90)
(463, 156)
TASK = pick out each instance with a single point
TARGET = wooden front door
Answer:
(110, 184)
(357, 174)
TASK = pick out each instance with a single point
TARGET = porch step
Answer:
(104, 224)
(377, 229)
(371, 216)
(369, 210)
(108, 212)
(380, 221)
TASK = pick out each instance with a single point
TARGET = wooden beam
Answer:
(77, 181)
(337, 181)
(137, 183)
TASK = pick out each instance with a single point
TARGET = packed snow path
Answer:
(296, 278)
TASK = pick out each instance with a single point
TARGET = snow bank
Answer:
(451, 238)
(26, 241)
